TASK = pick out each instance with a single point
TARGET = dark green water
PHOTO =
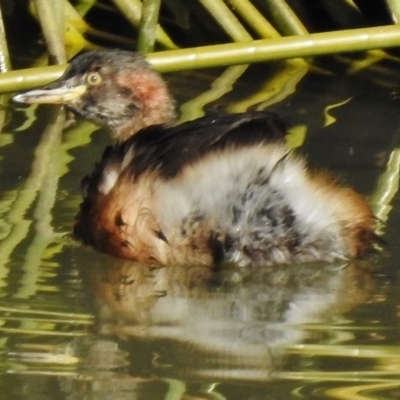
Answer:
(75, 324)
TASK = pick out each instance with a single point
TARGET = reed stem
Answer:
(394, 8)
(227, 20)
(316, 44)
(285, 19)
(148, 25)
(51, 18)
(5, 63)
(132, 11)
(254, 18)
(24, 79)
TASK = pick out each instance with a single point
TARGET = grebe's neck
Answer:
(152, 104)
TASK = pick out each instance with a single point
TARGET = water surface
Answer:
(75, 324)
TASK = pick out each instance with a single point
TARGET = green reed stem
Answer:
(235, 53)
(254, 18)
(285, 18)
(132, 11)
(394, 7)
(51, 18)
(148, 25)
(277, 49)
(227, 20)
(77, 22)
(5, 63)
(27, 78)
(73, 17)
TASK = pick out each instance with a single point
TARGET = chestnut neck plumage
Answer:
(153, 104)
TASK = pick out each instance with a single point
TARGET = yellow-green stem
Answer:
(148, 25)
(224, 17)
(5, 64)
(285, 19)
(235, 53)
(51, 18)
(394, 8)
(132, 11)
(254, 18)
(277, 49)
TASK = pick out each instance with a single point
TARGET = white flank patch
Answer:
(216, 183)
(109, 178)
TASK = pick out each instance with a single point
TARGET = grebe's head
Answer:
(114, 88)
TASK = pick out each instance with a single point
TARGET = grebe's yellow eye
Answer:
(93, 78)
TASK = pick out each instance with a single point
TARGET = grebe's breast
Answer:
(218, 189)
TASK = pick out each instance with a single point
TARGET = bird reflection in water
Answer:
(230, 324)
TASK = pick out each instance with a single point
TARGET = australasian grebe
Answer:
(215, 189)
